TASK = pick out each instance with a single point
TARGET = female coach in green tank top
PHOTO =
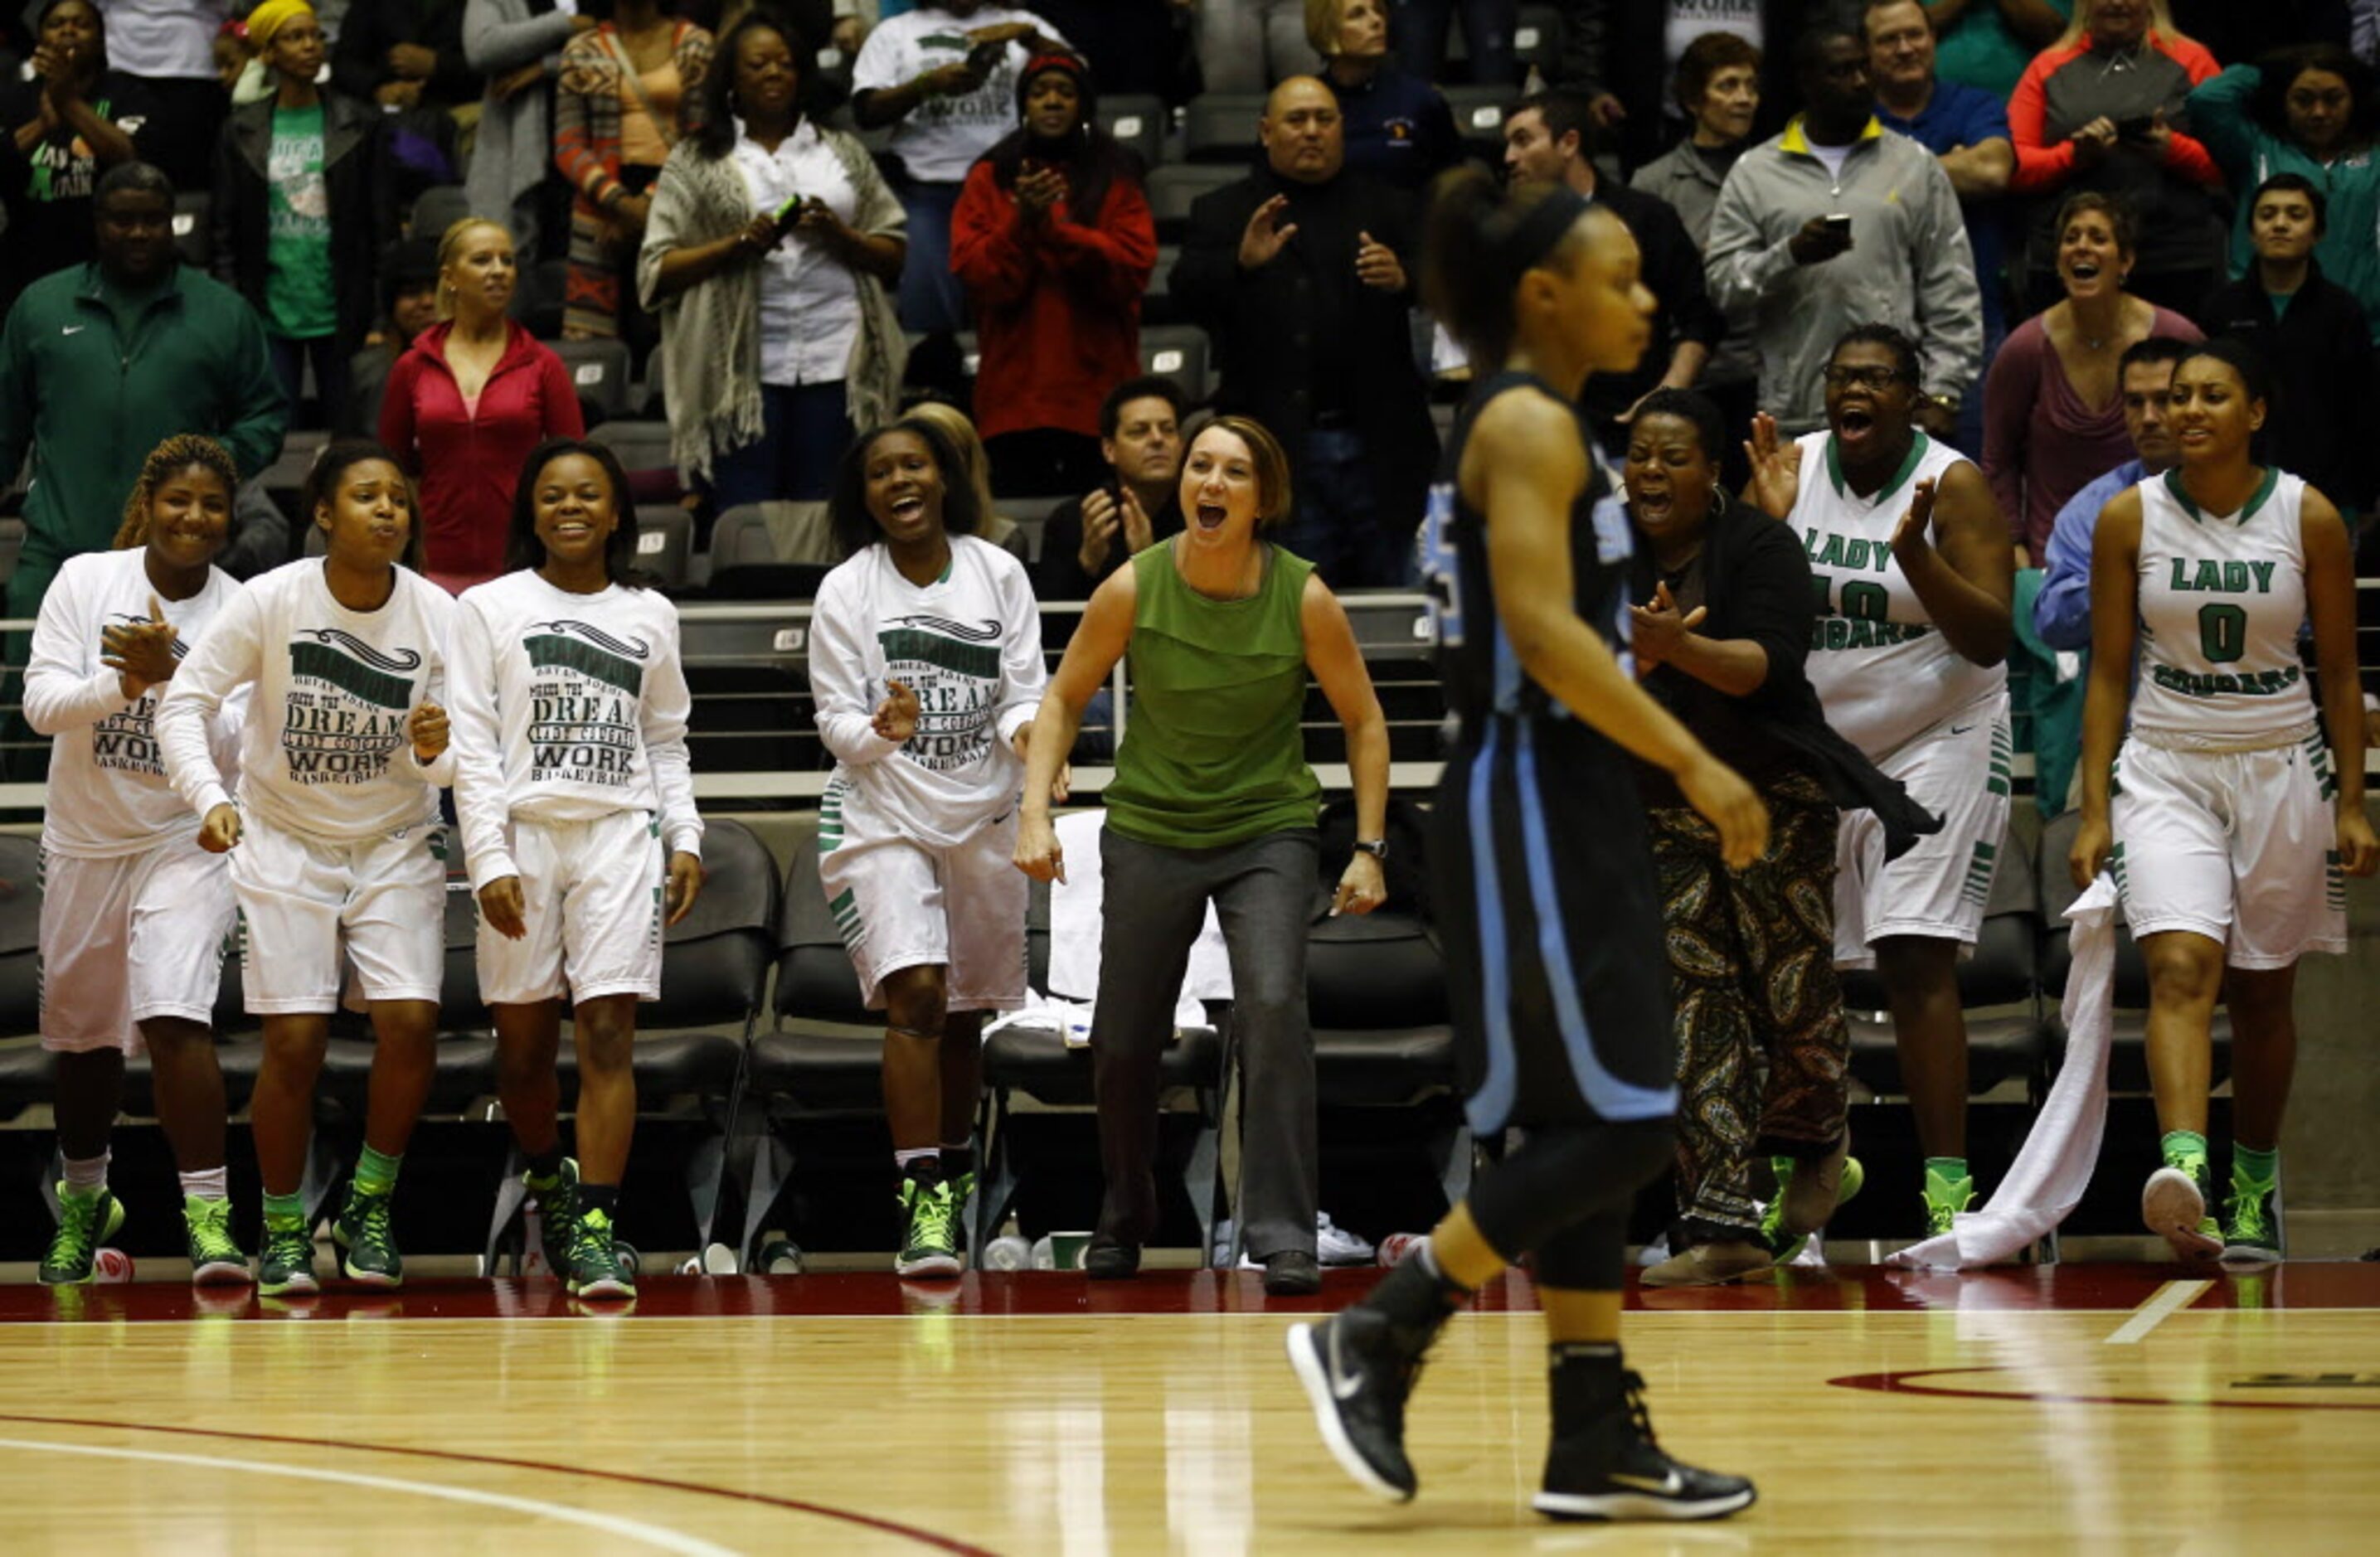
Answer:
(1212, 798)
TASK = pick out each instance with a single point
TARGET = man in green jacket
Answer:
(98, 363)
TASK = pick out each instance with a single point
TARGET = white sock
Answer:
(205, 1185)
(87, 1175)
(919, 1154)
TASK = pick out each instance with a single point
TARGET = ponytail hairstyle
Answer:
(1480, 240)
(176, 455)
(522, 547)
(334, 461)
(450, 249)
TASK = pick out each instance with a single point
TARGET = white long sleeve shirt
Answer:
(565, 707)
(969, 645)
(107, 795)
(325, 750)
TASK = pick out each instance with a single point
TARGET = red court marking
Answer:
(816, 1510)
(1903, 1382)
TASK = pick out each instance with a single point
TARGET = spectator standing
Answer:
(1781, 263)
(2053, 409)
(1546, 141)
(2105, 109)
(1987, 44)
(2314, 339)
(1398, 126)
(1212, 800)
(301, 211)
(769, 253)
(1718, 86)
(1299, 274)
(405, 54)
(1249, 46)
(1419, 29)
(1138, 505)
(2061, 613)
(466, 403)
(1054, 242)
(101, 362)
(518, 49)
(1622, 54)
(169, 46)
(2311, 110)
(408, 284)
(1967, 130)
(945, 78)
(626, 97)
(70, 121)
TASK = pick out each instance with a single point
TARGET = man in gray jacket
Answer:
(1838, 222)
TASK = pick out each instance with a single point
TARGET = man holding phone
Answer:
(1837, 222)
(945, 78)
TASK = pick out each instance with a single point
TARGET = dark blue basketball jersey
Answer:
(1476, 662)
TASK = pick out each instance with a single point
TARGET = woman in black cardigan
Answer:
(1719, 633)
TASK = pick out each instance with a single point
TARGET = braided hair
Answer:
(176, 455)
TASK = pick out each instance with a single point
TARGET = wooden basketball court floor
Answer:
(2109, 1408)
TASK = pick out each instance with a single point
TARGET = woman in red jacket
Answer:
(1053, 241)
(2105, 109)
(467, 401)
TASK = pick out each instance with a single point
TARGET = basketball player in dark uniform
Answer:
(1549, 911)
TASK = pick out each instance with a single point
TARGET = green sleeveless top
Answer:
(1212, 756)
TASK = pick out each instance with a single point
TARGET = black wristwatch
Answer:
(1378, 848)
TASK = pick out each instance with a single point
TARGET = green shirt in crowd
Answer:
(1212, 755)
(299, 304)
(1980, 50)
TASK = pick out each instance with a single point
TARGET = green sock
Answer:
(285, 1213)
(2261, 1169)
(2186, 1150)
(1948, 1170)
(376, 1173)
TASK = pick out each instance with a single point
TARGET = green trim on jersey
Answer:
(2257, 500)
(1918, 444)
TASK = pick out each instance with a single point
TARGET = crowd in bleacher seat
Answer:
(752, 235)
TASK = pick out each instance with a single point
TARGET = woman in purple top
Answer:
(2053, 401)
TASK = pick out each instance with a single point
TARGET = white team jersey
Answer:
(326, 751)
(2222, 597)
(1882, 671)
(565, 708)
(107, 794)
(969, 645)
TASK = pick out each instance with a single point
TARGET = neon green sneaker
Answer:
(215, 1260)
(962, 1190)
(285, 1266)
(2252, 1223)
(931, 1248)
(363, 1230)
(557, 1199)
(594, 1264)
(1945, 1199)
(1772, 1221)
(84, 1223)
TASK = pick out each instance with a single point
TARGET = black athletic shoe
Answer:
(1358, 1369)
(1104, 1261)
(1292, 1273)
(1609, 1468)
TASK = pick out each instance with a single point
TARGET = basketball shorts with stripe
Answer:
(129, 938)
(1550, 920)
(1959, 770)
(305, 900)
(2240, 846)
(591, 904)
(898, 903)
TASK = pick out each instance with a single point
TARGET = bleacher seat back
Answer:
(815, 981)
(439, 208)
(641, 443)
(1479, 117)
(1221, 127)
(664, 542)
(1537, 37)
(20, 935)
(1137, 122)
(1175, 187)
(746, 564)
(1179, 352)
(715, 962)
(599, 372)
(1379, 970)
(193, 227)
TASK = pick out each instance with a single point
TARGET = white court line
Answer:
(2162, 1304)
(608, 1523)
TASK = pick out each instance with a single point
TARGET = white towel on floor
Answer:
(2051, 1171)
(1074, 925)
